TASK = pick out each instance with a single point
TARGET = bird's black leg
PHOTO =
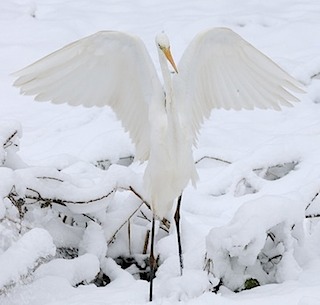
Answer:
(177, 221)
(152, 260)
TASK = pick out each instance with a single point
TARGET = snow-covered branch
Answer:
(32, 249)
(258, 244)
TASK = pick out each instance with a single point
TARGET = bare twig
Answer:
(312, 215)
(124, 223)
(139, 196)
(144, 216)
(17, 202)
(44, 202)
(212, 158)
(50, 178)
(313, 199)
(315, 75)
(146, 242)
(164, 221)
(8, 142)
(91, 218)
(129, 236)
(62, 201)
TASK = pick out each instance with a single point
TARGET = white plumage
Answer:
(218, 70)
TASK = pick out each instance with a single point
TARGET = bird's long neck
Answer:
(167, 82)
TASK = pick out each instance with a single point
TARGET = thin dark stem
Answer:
(50, 178)
(313, 216)
(139, 196)
(123, 224)
(164, 221)
(313, 199)
(8, 142)
(152, 260)
(63, 202)
(129, 236)
(212, 158)
(177, 221)
(146, 242)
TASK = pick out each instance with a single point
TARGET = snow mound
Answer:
(258, 244)
(25, 255)
(93, 241)
(191, 284)
(81, 269)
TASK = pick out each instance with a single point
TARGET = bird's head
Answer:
(163, 44)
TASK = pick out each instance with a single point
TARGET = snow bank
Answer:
(24, 255)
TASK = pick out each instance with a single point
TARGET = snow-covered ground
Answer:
(259, 170)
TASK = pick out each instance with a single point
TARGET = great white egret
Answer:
(219, 69)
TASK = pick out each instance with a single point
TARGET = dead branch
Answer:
(212, 158)
(8, 142)
(164, 221)
(50, 178)
(139, 196)
(146, 242)
(64, 202)
(129, 237)
(312, 215)
(44, 202)
(124, 223)
(313, 199)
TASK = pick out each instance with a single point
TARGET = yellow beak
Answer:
(168, 55)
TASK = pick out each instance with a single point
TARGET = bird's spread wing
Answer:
(219, 69)
(107, 68)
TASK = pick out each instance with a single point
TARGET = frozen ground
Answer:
(259, 170)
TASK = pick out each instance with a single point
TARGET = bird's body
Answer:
(218, 70)
(170, 165)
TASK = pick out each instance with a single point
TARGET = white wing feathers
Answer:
(218, 70)
(221, 70)
(107, 68)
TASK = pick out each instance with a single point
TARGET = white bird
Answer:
(219, 69)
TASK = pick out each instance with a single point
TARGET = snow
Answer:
(257, 243)
(23, 255)
(93, 241)
(72, 269)
(72, 168)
